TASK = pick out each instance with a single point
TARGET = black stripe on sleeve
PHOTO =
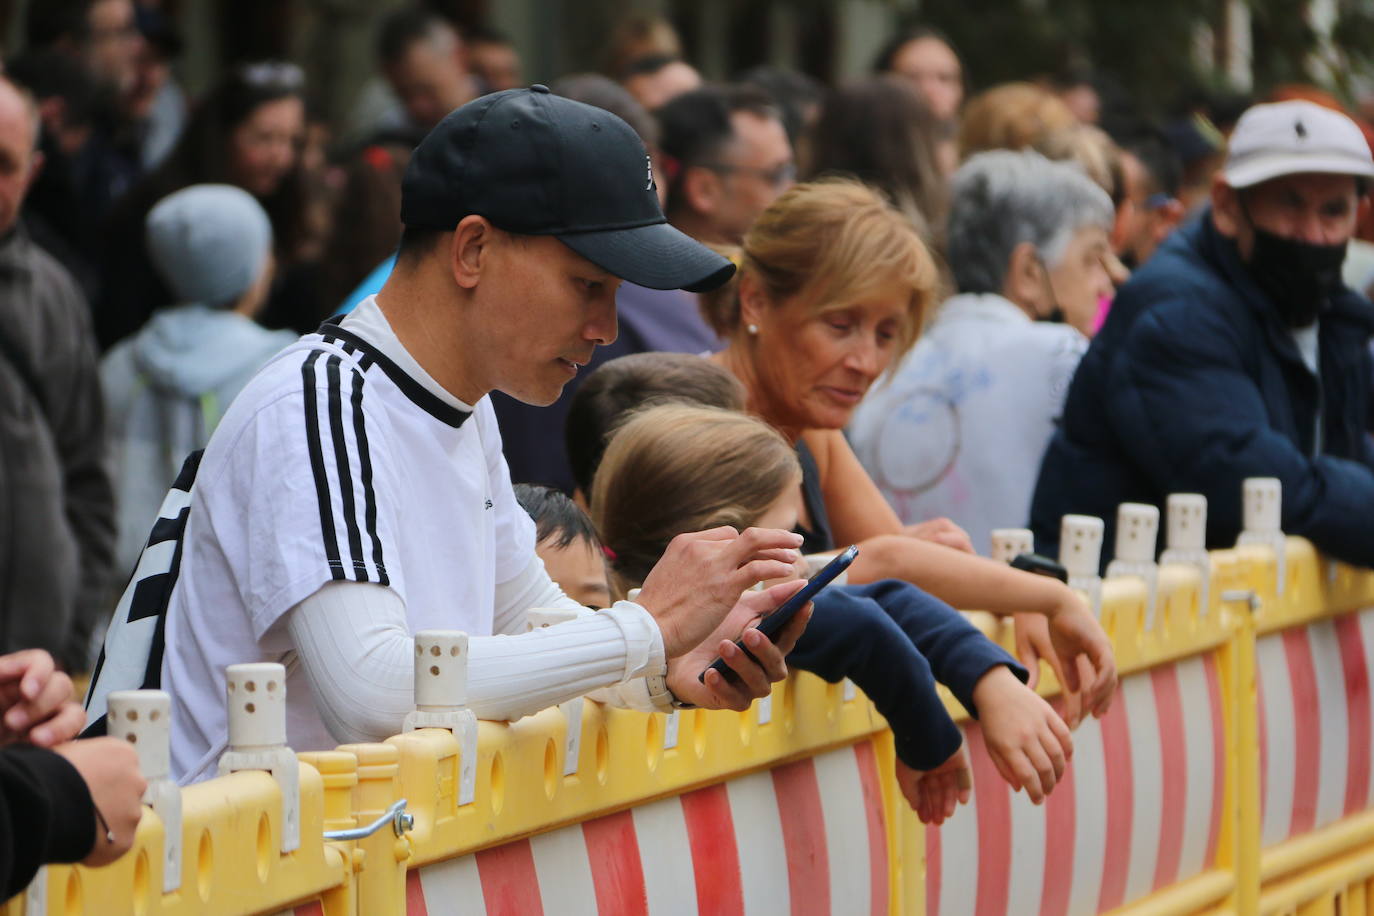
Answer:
(365, 471)
(350, 511)
(312, 437)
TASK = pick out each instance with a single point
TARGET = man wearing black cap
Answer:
(355, 493)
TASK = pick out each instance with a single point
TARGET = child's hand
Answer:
(933, 794)
(1027, 741)
(1033, 644)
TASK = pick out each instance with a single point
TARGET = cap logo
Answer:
(1300, 130)
(649, 173)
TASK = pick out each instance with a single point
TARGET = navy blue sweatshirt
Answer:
(895, 641)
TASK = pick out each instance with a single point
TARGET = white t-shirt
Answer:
(337, 462)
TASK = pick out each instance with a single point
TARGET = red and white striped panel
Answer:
(1139, 808)
(806, 837)
(1315, 724)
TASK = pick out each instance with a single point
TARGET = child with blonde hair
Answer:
(674, 468)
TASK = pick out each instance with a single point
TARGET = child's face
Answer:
(579, 570)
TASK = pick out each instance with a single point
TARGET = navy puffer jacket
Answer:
(1194, 384)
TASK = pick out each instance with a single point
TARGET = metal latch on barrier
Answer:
(1251, 600)
(396, 816)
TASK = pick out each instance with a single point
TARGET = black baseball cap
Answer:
(535, 163)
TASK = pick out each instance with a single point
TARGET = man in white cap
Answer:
(1237, 352)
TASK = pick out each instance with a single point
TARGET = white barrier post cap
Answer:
(1009, 543)
(1263, 505)
(1187, 521)
(1080, 545)
(1137, 530)
(257, 705)
(143, 718)
(441, 669)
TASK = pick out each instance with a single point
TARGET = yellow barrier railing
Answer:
(1233, 775)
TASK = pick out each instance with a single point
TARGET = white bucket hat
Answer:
(1290, 138)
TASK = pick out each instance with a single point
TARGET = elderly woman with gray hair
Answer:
(960, 425)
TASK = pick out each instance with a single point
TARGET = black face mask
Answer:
(1299, 277)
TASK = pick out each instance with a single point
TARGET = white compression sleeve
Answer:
(357, 653)
(530, 589)
(533, 588)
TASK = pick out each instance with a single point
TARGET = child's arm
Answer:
(1027, 741)
(859, 515)
(852, 637)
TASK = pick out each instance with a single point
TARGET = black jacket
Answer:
(46, 814)
(56, 501)
(1194, 384)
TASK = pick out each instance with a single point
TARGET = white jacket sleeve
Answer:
(357, 653)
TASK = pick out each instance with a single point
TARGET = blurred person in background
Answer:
(727, 158)
(958, 426)
(657, 79)
(649, 320)
(425, 62)
(493, 58)
(102, 38)
(1151, 176)
(834, 285)
(879, 131)
(247, 132)
(157, 100)
(926, 58)
(1358, 270)
(365, 223)
(103, 34)
(639, 36)
(55, 552)
(1236, 352)
(1076, 87)
(1011, 116)
(67, 99)
(798, 98)
(1092, 150)
(167, 386)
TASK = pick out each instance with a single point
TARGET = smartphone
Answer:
(772, 625)
(1040, 565)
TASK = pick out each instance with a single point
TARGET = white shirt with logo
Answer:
(340, 461)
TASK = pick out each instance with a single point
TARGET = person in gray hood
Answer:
(167, 386)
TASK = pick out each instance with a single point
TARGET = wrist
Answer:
(995, 681)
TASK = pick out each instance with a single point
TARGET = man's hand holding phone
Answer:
(753, 677)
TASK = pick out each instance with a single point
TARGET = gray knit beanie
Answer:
(209, 241)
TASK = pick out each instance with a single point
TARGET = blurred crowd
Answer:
(157, 249)
(144, 308)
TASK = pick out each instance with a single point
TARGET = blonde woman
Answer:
(833, 286)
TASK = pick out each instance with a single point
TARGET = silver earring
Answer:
(752, 329)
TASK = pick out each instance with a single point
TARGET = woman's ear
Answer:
(1024, 284)
(753, 301)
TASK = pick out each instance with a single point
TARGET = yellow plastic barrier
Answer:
(1233, 775)
(231, 829)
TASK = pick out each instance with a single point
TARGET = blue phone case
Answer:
(771, 625)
